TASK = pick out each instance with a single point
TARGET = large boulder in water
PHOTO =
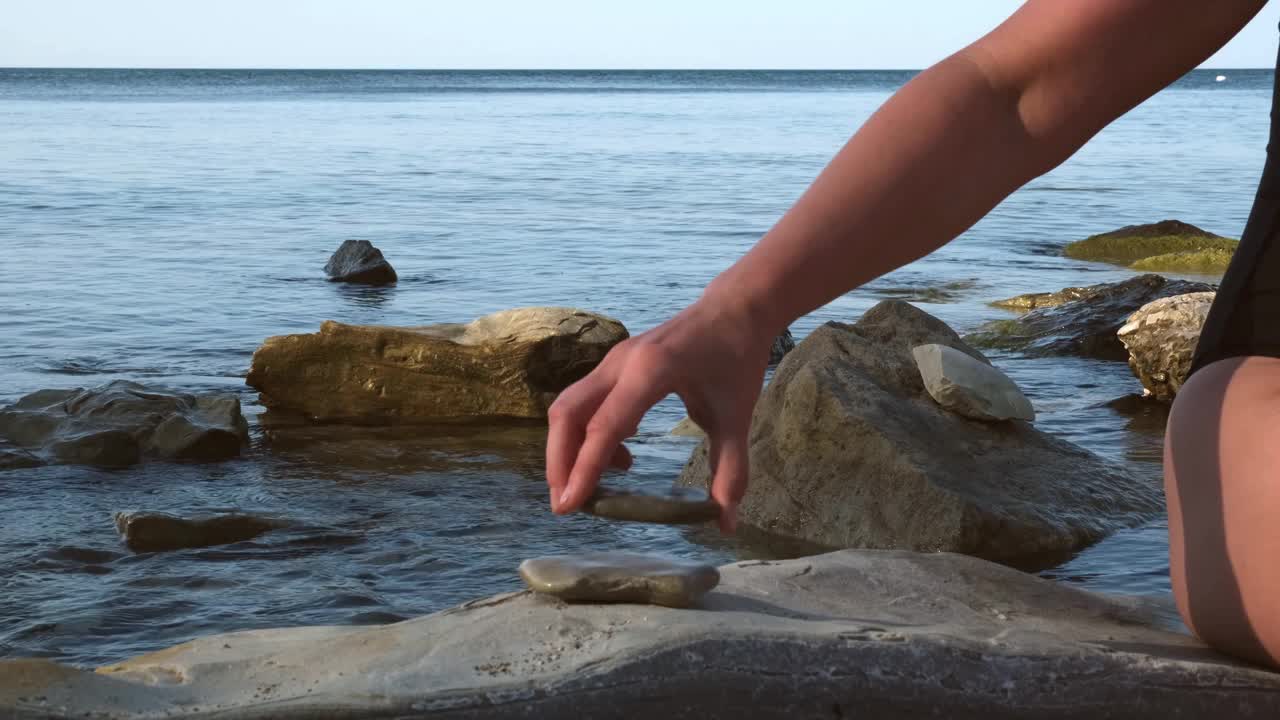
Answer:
(122, 422)
(847, 449)
(1078, 320)
(152, 532)
(1165, 246)
(855, 634)
(510, 364)
(358, 261)
(1161, 338)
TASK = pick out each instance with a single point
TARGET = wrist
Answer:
(749, 307)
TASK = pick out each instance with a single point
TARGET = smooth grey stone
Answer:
(676, 506)
(968, 387)
(153, 532)
(358, 261)
(620, 577)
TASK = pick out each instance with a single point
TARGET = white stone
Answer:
(970, 387)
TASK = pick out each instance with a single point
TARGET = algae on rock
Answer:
(1166, 245)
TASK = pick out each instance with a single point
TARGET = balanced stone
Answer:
(152, 532)
(968, 387)
(358, 261)
(677, 505)
(1161, 338)
(620, 577)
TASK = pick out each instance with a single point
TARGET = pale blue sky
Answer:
(520, 33)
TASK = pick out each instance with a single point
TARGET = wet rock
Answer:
(866, 634)
(1161, 339)
(620, 577)
(120, 423)
(782, 345)
(847, 449)
(155, 532)
(358, 261)
(1176, 243)
(687, 428)
(1079, 321)
(12, 458)
(971, 388)
(676, 506)
(511, 364)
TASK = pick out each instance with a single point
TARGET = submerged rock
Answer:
(676, 506)
(872, 635)
(1078, 321)
(969, 387)
(509, 364)
(1176, 244)
(153, 532)
(12, 458)
(119, 423)
(1161, 339)
(358, 261)
(847, 449)
(620, 577)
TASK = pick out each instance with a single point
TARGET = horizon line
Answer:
(500, 69)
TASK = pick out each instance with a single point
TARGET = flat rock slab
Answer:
(853, 634)
(676, 506)
(620, 577)
(155, 532)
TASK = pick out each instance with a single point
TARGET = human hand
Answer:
(712, 355)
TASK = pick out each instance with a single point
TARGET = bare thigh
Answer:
(1222, 454)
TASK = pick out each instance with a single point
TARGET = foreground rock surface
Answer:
(118, 424)
(852, 634)
(358, 261)
(510, 364)
(970, 387)
(677, 506)
(154, 532)
(1078, 321)
(620, 577)
(847, 449)
(1165, 246)
(1161, 339)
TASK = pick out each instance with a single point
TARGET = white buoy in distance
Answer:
(1220, 78)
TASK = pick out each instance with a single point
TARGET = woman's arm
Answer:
(941, 153)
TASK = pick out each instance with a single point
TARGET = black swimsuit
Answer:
(1245, 316)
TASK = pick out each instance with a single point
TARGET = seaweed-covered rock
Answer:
(855, 634)
(847, 449)
(358, 261)
(1080, 320)
(509, 364)
(120, 423)
(1161, 339)
(1177, 245)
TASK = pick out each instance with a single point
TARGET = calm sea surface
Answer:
(157, 225)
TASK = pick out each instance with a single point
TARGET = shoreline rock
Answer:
(855, 634)
(157, 532)
(358, 261)
(1168, 246)
(122, 422)
(1079, 321)
(510, 364)
(847, 449)
(1161, 338)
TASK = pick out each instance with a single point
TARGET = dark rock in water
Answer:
(871, 635)
(782, 345)
(12, 458)
(118, 424)
(677, 506)
(358, 261)
(1079, 321)
(510, 364)
(1161, 339)
(620, 577)
(154, 532)
(847, 449)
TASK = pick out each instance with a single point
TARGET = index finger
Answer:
(567, 421)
